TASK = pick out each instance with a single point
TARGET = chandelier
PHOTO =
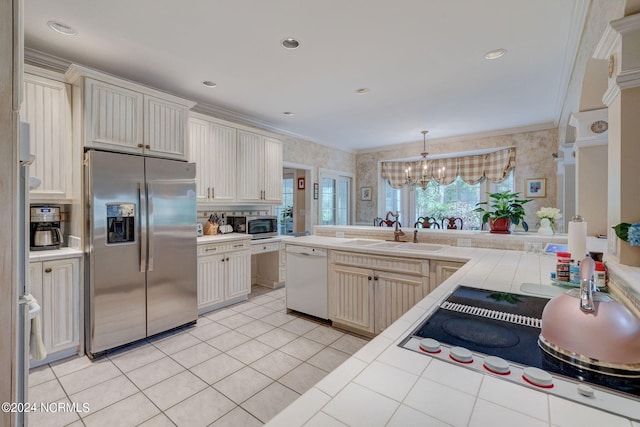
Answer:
(423, 178)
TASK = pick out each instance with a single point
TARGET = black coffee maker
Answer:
(45, 228)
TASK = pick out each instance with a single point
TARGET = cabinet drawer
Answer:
(266, 247)
(418, 267)
(216, 248)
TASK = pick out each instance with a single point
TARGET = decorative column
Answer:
(620, 45)
(566, 200)
(590, 148)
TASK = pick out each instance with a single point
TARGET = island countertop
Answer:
(383, 384)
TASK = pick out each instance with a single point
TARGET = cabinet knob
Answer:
(47, 270)
(222, 259)
(369, 277)
(140, 145)
(375, 277)
(148, 147)
(227, 259)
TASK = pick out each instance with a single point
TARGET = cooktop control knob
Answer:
(538, 377)
(497, 365)
(585, 390)
(461, 354)
(430, 345)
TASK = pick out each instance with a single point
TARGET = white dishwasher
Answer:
(306, 286)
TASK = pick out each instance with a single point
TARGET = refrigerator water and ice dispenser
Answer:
(120, 223)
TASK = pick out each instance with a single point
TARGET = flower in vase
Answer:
(552, 214)
(630, 233)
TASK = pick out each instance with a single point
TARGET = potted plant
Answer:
(286, 220)
(505, 209)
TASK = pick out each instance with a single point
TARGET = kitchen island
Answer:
(383, 384)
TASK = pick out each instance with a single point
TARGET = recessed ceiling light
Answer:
(209, 83)
(61, 28)
(290, 43)
(288, 113)
(362, 91)
(495, 54)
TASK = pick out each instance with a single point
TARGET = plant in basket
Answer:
(504, 209)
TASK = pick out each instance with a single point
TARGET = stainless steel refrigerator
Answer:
(141, 248)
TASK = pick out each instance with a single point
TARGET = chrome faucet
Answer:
(587, 285)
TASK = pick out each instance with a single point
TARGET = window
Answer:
(457, 199)
(286, 220)
(335, 199)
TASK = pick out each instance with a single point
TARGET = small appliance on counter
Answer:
(45, 228)
(259, 227)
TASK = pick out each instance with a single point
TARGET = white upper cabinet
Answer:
(122, 116)
(165, 128)
(47, 109)
(212, 147)
(114, 117)
(234, 166)
(259, 169)
(272, 171)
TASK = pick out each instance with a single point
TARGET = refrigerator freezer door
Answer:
(115, 310)
(172, 263)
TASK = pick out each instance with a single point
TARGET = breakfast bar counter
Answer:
(385, 385)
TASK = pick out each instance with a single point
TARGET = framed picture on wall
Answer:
(535, 187)
(300, 183)
(365, 193)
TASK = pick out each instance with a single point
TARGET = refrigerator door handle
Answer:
(143, 226)
(150, 223)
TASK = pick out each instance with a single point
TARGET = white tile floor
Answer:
(239, 366)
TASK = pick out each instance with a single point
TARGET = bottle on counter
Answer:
(601, 274)
(562, 266)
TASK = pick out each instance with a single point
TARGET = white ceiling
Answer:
(421, 59)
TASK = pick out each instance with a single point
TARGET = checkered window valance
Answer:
(494, 166)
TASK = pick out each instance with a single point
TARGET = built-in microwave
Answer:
(259, 227)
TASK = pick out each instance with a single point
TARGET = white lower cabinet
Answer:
(442, 270)
(224, 274)
(367, 300)
(56, 287)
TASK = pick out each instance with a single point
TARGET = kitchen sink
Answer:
(388, 245)
(420, 247)
(361, 242)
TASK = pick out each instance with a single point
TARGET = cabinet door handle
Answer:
(148, 147)
(227, 259)
(210, 249)
(47, 270)
(222, 259)
(213, 192)
(238, 245)
(140, 145)
(209, 193)
(369, 277)
(375, 277)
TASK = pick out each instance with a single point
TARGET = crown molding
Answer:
(626, 24)
(45, 60)
(591, 142)
(628, 79)
(463, 138)
(607, 44)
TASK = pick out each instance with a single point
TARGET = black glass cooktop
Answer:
(515, 342)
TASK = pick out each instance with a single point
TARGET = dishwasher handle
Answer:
(306, 251)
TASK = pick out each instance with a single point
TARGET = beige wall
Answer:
(591, 166)
(316, 156)
(533, 160)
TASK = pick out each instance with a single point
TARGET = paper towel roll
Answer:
(578, 239)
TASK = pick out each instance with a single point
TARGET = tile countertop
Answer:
(54, 254)
(383, 384)
(239, 236)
